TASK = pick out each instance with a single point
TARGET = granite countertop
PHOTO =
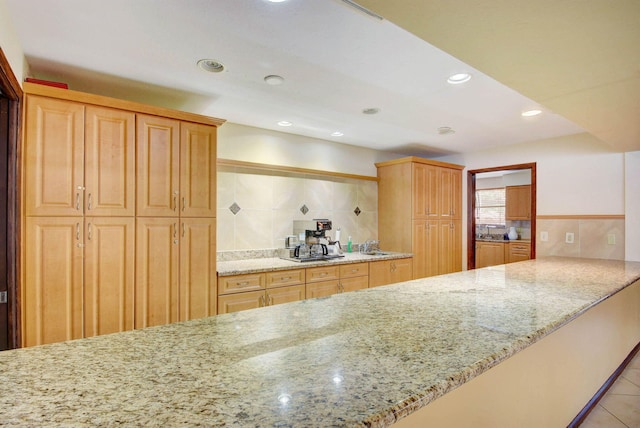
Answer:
(267, 264)
(365, 358)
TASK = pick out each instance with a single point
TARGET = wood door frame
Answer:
(12, 90)
(471, 208)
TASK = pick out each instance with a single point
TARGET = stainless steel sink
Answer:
(377, 253)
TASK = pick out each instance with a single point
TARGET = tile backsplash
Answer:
(256, 209)
(592, 238)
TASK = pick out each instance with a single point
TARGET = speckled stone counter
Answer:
(266, 264)
(363, 358)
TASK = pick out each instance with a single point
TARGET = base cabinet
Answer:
(109, 275)
(385, 272)
(52, 296)
(497, 253)
(517, 252)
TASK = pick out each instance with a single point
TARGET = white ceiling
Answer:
(336, 61)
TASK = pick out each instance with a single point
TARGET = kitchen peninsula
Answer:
(368, 358)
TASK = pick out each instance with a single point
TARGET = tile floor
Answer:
(620, 407)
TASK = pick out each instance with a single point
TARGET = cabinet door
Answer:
(426, 252)
(54, 157)
(518, 252)
(158, 163)
(198, 294)
(321, 289)
(425, 191)
(278, 295)
(489, 254)
(518, 202)
(401, 270)
(354, 283)
(450, 193)
(109, 162)
(52, 295)
(240, 302)
(323, 273)
(197, 170)
(379, 273)
(156, 295)
(109, 274)
(450, 247)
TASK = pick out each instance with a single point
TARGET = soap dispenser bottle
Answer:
(349, 245)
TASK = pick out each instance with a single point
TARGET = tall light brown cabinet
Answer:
(420, 212)
(119, 215)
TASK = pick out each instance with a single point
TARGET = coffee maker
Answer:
(313, 241)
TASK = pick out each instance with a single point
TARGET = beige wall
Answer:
(577, 175)
(10, 45)
(271, 201)
(632, 206)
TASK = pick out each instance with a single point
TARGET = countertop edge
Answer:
(273, 264)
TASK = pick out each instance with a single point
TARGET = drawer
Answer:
(323, 273)
(322, 289)
(355, 269)
(284, 277)
(240, 283)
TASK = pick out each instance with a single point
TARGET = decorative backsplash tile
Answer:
(234, 208)
(269, 202)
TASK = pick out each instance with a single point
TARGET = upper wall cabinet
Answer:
(176, 168)
(79, 160)
(54, 157)
(518, 202)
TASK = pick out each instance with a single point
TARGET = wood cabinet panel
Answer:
(157, 171)
(108, 275)
(322, 289)
(426, 243)
(450, 193)
(354, 283)
(241, 283)
(197, 170)
(489, 254)
(450, 255)
(323, 273)
(283, 278)
(198, 291)
(52, 293)
(518, 202)
(517, 252)
(240, 301)
(385, 272)
(53, 157)
(157, 257)
(279, 295)
(109, 162)
(426, 203)
(354, 269)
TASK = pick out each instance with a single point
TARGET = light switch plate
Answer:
(544, 236)
(611, 239)
(568, 238)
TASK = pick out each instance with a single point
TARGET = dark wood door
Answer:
(4, 180)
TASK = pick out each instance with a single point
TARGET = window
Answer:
(490, 206)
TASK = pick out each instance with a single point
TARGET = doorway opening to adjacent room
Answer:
(476, 212)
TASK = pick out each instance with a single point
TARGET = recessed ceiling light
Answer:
(530, 113)
(337, 134)
(456, 79)
(211, 65)
(371, 110)
(446, 130)
(285, 123)
(274, 80)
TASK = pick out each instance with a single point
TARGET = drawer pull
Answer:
(323, 274)
(354, 270)
(242, 284)
(285, 278)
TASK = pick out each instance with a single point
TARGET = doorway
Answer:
(472, 208)
(10, 101)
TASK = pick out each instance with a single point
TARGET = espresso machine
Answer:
(312, 243)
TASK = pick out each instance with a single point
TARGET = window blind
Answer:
(490, 206)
